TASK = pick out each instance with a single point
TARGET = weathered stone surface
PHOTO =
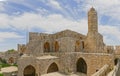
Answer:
(65, 48)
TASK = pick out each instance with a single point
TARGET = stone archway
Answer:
(52, 68)
(116, 61)
(29, 71)
(81, 66)
(56, 46)
(11, 60)
(46, 47)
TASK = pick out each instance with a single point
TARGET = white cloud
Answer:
(54, 23)
(111, 34)
(9, 35)
(107, 7)
(2, 0)
(52, 3)
(2, 6)
(51, 23)
(55, 4)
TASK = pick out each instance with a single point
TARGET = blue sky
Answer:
(18, 17)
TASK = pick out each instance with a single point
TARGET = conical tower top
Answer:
(92, 9)
(92, 20)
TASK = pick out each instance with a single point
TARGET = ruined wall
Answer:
(11, 57)
(21, 49)
(65, 40)
(117, 50)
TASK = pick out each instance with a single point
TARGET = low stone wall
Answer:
(10, 73)
(103, 71)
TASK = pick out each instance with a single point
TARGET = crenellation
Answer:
(110, 49)
(117, 50)
(21, 48)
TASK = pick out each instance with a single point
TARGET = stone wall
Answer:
(11, 57)
(66, 48)
(66, 42)
(66, 62)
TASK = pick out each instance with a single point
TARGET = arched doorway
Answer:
(56, 46)
(81, 66)
(116, 61)
(11, 60)
(52, 68)
(46, 47)
(29, 71)
(77, 46)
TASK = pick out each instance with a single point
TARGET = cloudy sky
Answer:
(18, 17)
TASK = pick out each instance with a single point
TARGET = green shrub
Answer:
(1, 74)
(3, 61)
(4, 65)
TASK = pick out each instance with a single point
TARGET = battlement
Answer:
(21, 48)
(37, 36)
(117, 49)
(110, 49)
(69, 33)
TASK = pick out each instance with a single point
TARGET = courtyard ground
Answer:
(60, 74)
(9, 69)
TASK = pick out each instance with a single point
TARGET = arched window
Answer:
(81, 66)
(52, 68)
(83, 45)
(56, 46)
(46, 47)
(29, 71)
(77, 46)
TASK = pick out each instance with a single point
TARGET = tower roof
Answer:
(92, 9)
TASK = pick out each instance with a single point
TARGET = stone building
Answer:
(66, 52)
(9, 57)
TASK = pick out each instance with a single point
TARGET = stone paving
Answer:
(60, 74)
(9, 69)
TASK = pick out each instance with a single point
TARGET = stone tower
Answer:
(94, 40)
(92, 20)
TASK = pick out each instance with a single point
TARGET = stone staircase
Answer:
(116, 70)
(111, 72)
